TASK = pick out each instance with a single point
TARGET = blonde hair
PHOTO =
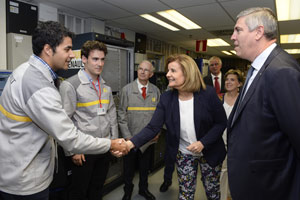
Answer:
(193, 78)
(236, 72)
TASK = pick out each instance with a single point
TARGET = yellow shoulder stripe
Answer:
(92, 103)
(141, 108)
(14, 117)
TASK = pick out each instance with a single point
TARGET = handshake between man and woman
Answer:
(120, 147)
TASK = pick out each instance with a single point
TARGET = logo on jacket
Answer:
(153, 99)
(104, 90)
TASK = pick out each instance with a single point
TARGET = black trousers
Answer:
(130, 161)
(87, 181)
(43, 195)
(169, 168)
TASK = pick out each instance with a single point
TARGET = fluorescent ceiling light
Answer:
(293, 51)
(233, 52)
(159, 22)
(288, 9)
(217, 42)
(227, 53)
(292, 38)
(179, 19)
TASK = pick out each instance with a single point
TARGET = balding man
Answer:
(215, 78)
(138, 102)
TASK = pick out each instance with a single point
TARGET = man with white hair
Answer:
(138, 102)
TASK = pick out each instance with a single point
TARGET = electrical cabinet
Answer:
(21, 17)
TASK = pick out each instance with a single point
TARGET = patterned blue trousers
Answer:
(187, 168)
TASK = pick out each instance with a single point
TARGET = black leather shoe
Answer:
(127, 196)
(165, 186)
(147, 194)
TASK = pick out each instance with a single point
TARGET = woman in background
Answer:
(195, 120)
(233, 81)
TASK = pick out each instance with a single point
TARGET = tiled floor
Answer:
(155, 180)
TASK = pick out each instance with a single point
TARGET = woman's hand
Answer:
(195, 147)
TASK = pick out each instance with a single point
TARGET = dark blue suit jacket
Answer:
(208, 81)
(264, 139)
(209, 118)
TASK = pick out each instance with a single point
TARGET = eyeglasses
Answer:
(214, 64)
(144, 70)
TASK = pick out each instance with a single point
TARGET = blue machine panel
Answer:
(3, 78)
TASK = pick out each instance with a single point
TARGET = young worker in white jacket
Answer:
(31, 116)
(89, 103)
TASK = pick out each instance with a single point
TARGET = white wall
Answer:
(47, 13)
(3, 61)
(94, 25)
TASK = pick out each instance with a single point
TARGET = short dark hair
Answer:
(51, 33)
(92, 45)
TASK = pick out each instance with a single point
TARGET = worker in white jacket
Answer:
(89, 103)
(31, 115)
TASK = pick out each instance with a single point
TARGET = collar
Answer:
(140, 85)
(219, 76)
(89, 78)
(261, 58)
(53, 74)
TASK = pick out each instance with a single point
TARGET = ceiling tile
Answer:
(210, 15)
(289, 27)
(139, 6)
(186, 3)
(235, 7)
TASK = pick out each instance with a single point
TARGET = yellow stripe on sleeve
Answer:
(14, 117)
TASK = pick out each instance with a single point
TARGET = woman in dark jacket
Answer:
(195, 120)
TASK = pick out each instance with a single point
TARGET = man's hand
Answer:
(118, 147)
(78, 159)
(196, 147)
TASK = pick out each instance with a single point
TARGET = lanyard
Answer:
(97, 91)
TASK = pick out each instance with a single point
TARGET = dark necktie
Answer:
(249, 74)
(57, 82)
(217, 85)
(144, 92)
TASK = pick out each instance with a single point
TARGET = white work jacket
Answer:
(81, 102)
(31, 115)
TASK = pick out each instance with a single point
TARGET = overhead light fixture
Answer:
(233, 52)
(159, 22)
(287, 10)
(291, 38)
(227, 53)
(179, 19)
(293, 51)
(217, 42)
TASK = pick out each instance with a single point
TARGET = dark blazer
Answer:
(208, 81)
(264, 139)
(209, 118)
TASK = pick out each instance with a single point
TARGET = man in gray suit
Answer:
(263, 129)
